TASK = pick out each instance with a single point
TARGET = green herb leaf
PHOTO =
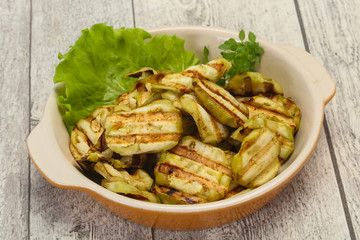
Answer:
(206, 54)
(243, 55)
(242, 35)
(94, 68)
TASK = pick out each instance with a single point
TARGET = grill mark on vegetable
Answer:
(196, 157)
(237, 118)
(120, 119)
(179, 86)
(143, 138)
(230, 101)
(253, 160)
(183, 174)
(286, 119)
(180, 196)
(217, 66)
(216, 128)
(193, 74)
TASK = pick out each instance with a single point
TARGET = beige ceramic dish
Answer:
(301, 76)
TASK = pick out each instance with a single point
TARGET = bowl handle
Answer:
(45, 157)
(321, 78)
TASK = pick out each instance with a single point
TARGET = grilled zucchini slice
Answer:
(172, 196)
(283, 131)
(258, 151)
(220, 103)
(262, 104)
(195, 168)
(153, 128)
(252, 83)
(211, 130)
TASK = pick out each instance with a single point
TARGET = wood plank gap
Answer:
(339, 180)
(329, 141)
(29, 127)
(303, 33)
(133, 13)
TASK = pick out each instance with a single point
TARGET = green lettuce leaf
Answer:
(94, 68)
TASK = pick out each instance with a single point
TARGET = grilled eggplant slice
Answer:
(220, 103)
(261, 104)
(140, 179)
(194, 168)
(172, 196)
(211, 130)
(258, 151)
(86, 138)
(153, 128)
(290, 106)
(252, 83)
(212, 71)
(283, 131)
(134, 161)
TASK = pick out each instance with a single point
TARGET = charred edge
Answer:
(217, 66)
(193, 74)
(196, 157)
(124, 118)
(137, 196)
(248, 86)
(257, 156)
(103, 144)
(231, 102)
(182, 174)
(189, 200)
(180, 196)
(145, 138)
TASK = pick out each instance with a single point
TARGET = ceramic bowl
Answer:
(302, 77)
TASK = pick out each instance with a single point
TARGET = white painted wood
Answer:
(14, 118)
(310, 207)
(59, 213)
(332, 29)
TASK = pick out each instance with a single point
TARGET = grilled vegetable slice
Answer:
(220, 103)
(252, 83)
(129, 191)
(283, 131)
(138, 96)
(211, 130)
(172, 196)
(258, 151)
(134, 161)
(212, 71)
(261, 104)
(266, 175)
(153, 128)
(194, 168)
(290, 106)
(140, 179)
(86, 137)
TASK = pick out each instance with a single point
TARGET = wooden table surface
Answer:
(322, 201)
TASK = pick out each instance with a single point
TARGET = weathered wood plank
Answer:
(333, 35)
(58, 213)
(14, 115)
(310, 207)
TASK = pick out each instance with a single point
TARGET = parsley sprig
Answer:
(243, 55)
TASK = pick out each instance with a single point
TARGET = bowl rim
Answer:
(282, 178)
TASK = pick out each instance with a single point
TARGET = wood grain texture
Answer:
(332, 30)
(310, 207)
(58, 213)
(14, 118)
